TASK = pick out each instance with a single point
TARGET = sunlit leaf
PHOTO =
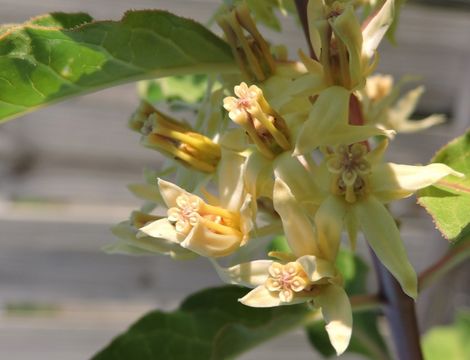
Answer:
(52, 58)
(448, 201)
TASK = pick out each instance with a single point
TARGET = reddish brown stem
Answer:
(301, 6)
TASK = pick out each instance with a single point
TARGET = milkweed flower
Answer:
(208, 230)
(308, 274)
(382, 104)
(357, 184)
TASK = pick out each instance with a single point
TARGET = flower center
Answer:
(185, 214)
(286, 280)
(350, 171)
(190, 210)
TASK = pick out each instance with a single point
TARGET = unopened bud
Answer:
(264, 125)
(250, 49)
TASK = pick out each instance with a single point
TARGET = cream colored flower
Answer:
(306, 275)
(356, 185)
(208, 230)
(382, 104)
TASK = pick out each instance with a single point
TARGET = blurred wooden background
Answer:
(63, 177)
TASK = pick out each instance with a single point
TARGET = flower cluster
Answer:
(303, 157)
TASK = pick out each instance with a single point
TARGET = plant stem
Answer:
(454, 257)
(400, 312)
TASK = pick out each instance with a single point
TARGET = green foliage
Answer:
(448, 201)
(61, 55)
(366, 338)
(187, 88)
(449, 342)
(211, 324)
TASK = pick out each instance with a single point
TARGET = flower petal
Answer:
(348, 134)
(162, 229)
(347, 28)
(250, 274)
(323, 118)
(260, 297)
(297, 226)
(209, 244)
(352, 228)
(315, 13)
(145, 244)
(316, 268)
(336, 310)
(393, 181)
(170, 192)
(375, 30)
(230, 180)
(329, 221)
(383, 236)
(300, 181)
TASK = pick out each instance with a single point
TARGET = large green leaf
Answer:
(449, 201)
(366, 338)
(61, 55)
(209, 325)
(449, 342)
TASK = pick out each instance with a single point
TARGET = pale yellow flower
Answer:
(356, 184)
(382, 104)
(306, 275)
(208, 230)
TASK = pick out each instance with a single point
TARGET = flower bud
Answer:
(250, 49)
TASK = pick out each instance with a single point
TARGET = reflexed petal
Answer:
(316, 268)
(160, 229)
(230, 173)
(297, 226)
(323, 118)
(393, 181)
(306, 85)
(352, 228)
(170, 192)
(134, 244)
(315, 13)
(250, 274)
(258, 175)
(348, 134)
(260, 297)
(382, 234)
(209, 244)
(329, 221)
(377, 27)
(336, 310)
(410, 126)
(347, 28)
(246, 218)
(300, 181)
(376, 155)
(407, 104)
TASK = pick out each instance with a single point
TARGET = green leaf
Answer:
(448, 342)
(187, 88)
(209, 325)
(366, 338)
(51, 58)
(448, 202)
